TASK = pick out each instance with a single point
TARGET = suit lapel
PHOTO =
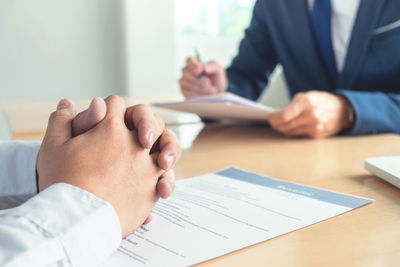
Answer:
(365, 23)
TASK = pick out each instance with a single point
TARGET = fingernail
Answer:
(150, 137)
(170, 160)
(63, 104)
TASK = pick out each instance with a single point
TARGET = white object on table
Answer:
(221, 106)
(386, 168)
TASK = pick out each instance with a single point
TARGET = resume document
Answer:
(217, 213)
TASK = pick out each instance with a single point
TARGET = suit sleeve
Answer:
(250, 69)
(375, 112)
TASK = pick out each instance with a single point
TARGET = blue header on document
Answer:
(303, 190)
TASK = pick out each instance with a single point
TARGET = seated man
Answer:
(99, 175)
(341, 60)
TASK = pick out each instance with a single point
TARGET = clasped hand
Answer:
(122, 155)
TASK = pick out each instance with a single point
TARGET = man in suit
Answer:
(341, 60)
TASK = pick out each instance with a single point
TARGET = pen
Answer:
(202, 75)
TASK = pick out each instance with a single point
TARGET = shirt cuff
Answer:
(17, 171)
(87, 227)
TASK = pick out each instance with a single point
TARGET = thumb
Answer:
(89, 118)
(59, 129)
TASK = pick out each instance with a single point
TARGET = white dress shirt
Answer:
(61, 226)
(344, 13)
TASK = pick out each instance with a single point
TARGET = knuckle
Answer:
(305, 98)
(53, 115)
(59, 113)
(112, 123)
(320, 128)
(314, 115)
(113, 97)
(298, 95)
(142, 107)
(116, 98)
(171, 134)
(307, 102)
(285, 117)
(140, 110)
(316, 131)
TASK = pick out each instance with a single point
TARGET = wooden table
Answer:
(368, 236)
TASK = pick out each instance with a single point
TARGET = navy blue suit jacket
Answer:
(281, 33)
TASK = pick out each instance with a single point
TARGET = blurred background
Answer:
(51, 49)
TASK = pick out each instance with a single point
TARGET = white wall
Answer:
(51, 49)
(5, 132)
(151, 47)
(57, 48)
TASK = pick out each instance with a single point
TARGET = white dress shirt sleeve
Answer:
(62, 226)
(17, 172)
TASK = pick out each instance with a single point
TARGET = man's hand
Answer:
(107, 161)
(151, 133)
(215, 78)
(313, 114)
(150, 128)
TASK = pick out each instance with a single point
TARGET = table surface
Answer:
(368, 236)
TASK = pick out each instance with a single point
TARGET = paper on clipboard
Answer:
(221, 106)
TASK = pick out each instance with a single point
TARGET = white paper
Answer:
(217, 213)
(221, 106)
